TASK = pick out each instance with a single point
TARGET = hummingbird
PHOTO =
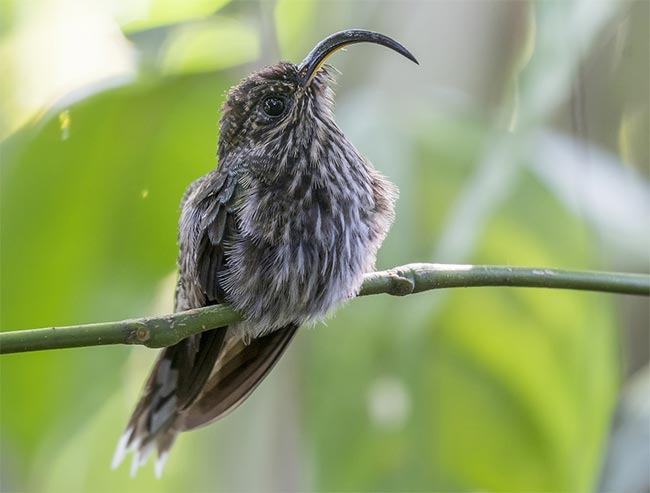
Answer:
(283, 230)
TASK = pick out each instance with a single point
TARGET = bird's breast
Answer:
(302, 206)
(303, 248)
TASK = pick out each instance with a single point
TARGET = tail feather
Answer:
(194, 383)
(176, 379)
(237, 374)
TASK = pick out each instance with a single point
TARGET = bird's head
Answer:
(285, 106)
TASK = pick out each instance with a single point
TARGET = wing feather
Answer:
(239, 370)
(206, 375)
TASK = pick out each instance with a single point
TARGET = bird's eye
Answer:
(273, 106)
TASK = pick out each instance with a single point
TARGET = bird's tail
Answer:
(193, 383)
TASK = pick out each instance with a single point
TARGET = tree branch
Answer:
(165, 331)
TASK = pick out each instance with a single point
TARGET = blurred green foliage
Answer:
(470, 390)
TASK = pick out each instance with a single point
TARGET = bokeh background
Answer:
(522, 138)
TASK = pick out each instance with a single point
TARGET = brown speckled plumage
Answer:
(283, 230)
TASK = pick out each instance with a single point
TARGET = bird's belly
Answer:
(308, 268)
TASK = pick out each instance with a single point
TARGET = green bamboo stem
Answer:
(156, 332)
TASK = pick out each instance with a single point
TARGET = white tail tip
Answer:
(121, 450)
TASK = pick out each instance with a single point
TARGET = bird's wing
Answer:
(206, 375)
(207, 209)
(182, 370)
(207, 223)
(240, 368)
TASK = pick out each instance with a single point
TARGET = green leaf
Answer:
(137, 16)
(89, 233)
(294, 20)
(504, 389)
(213, 44)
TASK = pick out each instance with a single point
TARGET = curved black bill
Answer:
(316, 58)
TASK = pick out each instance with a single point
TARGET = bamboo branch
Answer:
(156, 332)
